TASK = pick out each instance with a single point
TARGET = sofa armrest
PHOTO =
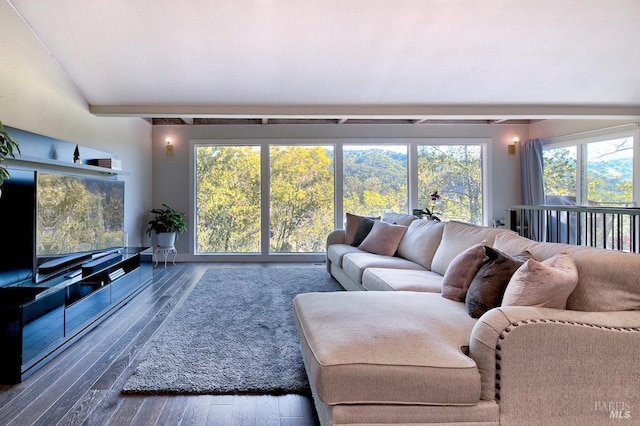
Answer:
(337, 236)
(565, 364)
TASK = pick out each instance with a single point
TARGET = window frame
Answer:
(580, 141)
(339, 213)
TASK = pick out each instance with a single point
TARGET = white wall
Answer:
(171, 172)
(37, 96)
(556, 128)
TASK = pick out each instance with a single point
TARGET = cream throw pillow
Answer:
(384, 238)
(421, 241)
(544, 284)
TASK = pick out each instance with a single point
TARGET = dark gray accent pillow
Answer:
(363, 230)
(488, 286)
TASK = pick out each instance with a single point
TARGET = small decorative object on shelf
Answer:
(76, 155)
(109, 163)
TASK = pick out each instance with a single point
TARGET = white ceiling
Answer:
(347, 58)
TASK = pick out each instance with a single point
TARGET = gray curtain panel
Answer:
(531, 170)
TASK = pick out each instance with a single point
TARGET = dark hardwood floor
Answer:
(82, 385)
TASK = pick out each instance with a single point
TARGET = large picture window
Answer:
(590, 172)
(455, 172)
(300, 198)
(278, 198)
(375, 179)
(228, 196)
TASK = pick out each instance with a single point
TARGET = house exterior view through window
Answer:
(281, 198)
(375, 179)
(595, 172)
(300, 198)
(228, 196)
(590, 173)
(455, 171)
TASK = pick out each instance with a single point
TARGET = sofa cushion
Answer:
(387, 348)
(488, 286)
(608, 280)
(421, 241)
(456, 238)
(383, 279)
(399, 218)
(546, 284)
(461, 271)
(335, 252)
(384, 238)
(354, 264)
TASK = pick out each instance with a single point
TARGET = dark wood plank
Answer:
(82, 385)
(149, 411)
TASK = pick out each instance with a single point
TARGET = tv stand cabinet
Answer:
(38, 321)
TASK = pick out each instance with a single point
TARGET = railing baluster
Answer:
(607, 227)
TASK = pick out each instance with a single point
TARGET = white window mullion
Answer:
(265, 179)
(338, 173)
(412, 176)
(636, 168)
(580, 173)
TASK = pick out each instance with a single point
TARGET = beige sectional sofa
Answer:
(414, 357)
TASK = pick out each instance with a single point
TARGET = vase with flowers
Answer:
(429, 213)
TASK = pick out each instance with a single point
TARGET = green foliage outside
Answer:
(375, 181)
(456, 173)
(301, 196)
(228, 199)
(560, 172)
(301, 192)
(607, 178)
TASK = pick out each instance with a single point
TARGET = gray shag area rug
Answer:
(234, 334)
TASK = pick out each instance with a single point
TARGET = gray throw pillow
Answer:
(488, 286)
(364, 227)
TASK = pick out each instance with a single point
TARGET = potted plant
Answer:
(168, 223)
(8, 148)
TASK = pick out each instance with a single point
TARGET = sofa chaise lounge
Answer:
(403, 354)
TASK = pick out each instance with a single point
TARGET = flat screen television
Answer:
(57, 221)
(76, 216)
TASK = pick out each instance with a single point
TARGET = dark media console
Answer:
(39, 320)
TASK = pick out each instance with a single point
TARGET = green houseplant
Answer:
(8, 148)
(167, 220)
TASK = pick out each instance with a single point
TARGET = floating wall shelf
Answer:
(26, 161)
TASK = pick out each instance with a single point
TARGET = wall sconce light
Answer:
(512, 146)
(169, 147)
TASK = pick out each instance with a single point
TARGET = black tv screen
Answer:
(77, 214)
